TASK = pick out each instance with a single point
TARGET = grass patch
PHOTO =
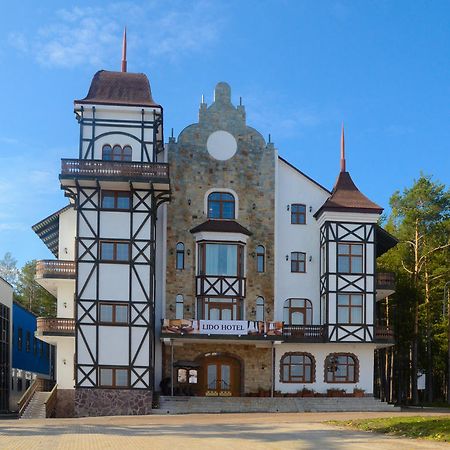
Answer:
(434, 428)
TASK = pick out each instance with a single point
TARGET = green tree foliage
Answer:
(33, 296)
(26, 289)
(8, 269)
(420, 219)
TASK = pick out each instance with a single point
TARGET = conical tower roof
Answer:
(345, 196)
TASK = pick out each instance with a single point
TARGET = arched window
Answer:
(179, 307)
(259, 310)
(127, 153)
(221, 205)
(116, 153)
(180, 256)
(107, 152)
(341, 368)
(260, 258)
(297, 368)
(297, 311)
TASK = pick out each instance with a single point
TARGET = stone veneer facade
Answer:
(250, 173)
(112, 402)
(255, 361)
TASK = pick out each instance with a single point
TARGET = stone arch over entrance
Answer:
(221, 374)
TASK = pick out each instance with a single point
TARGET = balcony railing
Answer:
(87, 168)
(384, 334)
(385, 281)
(55, 268)
(220, 286)
(304, 333)
(55, 326)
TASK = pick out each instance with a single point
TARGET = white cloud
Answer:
(92, 36)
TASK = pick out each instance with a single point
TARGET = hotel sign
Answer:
(222, 327)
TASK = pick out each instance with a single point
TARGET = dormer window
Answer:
(116, 153)
(221, 205)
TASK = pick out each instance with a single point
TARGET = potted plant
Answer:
(334, 392)
(357, 392)
(307, 392)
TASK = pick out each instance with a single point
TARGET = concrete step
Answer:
(36, 407)
(192, 405)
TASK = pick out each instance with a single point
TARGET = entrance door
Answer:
(221, 376)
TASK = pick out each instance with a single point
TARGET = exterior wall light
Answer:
(310, 209)
(310, 258)
(188, 251)
(171, 308)
(65, 304)
(288, 206)
(287, 257)
(189, 202)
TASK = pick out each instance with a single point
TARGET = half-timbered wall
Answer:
(333, 283)
(129, 281)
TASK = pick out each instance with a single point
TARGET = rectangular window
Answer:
(298, 214)
(114, 377)
(35, 345)
(114, 251)
(113, 313)
(19, 339)
(350, 258)
(298, 262)
(350, 308)
(221, 260)
(116, 200)
(213, 308)
(28, 342)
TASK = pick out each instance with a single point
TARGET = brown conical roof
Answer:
(346, 197)
(119, 88)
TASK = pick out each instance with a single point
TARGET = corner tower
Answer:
(117, 184)
(348, 232)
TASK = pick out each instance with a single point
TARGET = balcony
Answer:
(304, 333)
(51, 273)
(220, 286)
(55, 327)
(93, 170)
(55, 268)
(385, 284)
(384, 335)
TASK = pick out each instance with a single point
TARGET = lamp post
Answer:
(446, 302)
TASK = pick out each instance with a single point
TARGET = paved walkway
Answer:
(202, 431)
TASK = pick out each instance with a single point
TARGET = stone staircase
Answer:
(194, 405)
(36, 407)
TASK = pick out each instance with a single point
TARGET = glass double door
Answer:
(221, 377)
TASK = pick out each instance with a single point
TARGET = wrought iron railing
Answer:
(306, 333)
(55, 268)
(385, 280)
(55, 326)
(125, 169)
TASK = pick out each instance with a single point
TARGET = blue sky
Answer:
(302, 67)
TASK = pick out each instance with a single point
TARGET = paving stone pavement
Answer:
(203, 431)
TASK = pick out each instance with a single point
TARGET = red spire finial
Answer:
(342, 149)
(124, 50)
